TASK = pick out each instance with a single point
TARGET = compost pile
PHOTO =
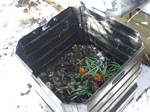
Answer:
(76, 75)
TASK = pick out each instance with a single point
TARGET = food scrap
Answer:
(80, 72)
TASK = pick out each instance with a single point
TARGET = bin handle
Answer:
(118, 78)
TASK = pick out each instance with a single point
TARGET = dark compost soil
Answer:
(76, 75)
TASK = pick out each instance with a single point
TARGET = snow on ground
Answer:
(19, 21)
(16, 94)
(142, 105)
(15, 23)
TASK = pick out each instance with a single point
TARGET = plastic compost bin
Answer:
(40, 48)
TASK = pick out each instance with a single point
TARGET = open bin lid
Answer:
(114, 8)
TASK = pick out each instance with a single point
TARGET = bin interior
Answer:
(41, 49)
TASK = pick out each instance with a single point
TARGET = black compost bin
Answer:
(41, 48)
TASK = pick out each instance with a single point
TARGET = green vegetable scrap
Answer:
(80, 72)
(90, 68)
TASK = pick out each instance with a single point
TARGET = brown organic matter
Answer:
(78, 73)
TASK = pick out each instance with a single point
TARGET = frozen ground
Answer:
(17, 90)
